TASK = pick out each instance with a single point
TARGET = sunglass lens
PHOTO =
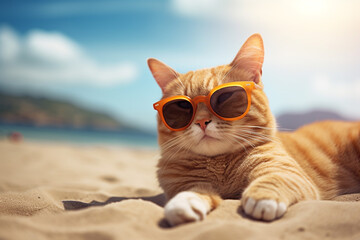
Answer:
(178, 113)
(229, 102)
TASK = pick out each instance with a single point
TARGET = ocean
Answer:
(81, 136)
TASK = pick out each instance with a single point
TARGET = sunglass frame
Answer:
(248, 86)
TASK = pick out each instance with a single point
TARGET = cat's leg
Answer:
(263, 199)
(264, 209)
(190, 206)
(275, 183)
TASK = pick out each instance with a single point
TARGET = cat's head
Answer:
(209, 135)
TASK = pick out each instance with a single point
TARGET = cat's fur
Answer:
(248, 158)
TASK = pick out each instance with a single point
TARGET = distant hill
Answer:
(39, 111)
(292, 121)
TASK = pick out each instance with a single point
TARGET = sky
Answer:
(94, 53)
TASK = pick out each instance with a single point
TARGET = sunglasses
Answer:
(229, 102)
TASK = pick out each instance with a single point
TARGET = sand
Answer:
(59, 191)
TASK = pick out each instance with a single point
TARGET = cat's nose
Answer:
(202, 123)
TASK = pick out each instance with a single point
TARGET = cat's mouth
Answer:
(207, 138)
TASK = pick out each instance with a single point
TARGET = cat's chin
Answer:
(207, 138)
(210, 146)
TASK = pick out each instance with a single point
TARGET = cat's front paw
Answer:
(264, 209)
(186, 207)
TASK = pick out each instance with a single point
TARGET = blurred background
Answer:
(75, 70)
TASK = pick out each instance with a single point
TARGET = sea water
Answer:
(81, 136)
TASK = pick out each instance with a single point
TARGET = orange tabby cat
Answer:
(248, 158)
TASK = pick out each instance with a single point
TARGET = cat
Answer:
(248, 159)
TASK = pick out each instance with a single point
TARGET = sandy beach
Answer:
(63, 191)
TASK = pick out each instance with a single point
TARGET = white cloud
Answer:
(9, 45)
(53, 47)
(305, 32)
(199, 8)
(336, 90)
(339, 94)
(271, 13)
(43, 57)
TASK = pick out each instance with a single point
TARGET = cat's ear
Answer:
(162, 73)
(251, 56)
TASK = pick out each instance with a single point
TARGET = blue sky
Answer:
(94, 52)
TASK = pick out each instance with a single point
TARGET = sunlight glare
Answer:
(312, 7)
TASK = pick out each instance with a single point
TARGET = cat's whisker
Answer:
(177, 141)
(247, 128)
(172, 146)
(249, 135)
(232, 140)
(173, 155)
(180, 143)
(172, 142)
(183, 146)
(241, 138)
(256, 138)
(260, 127)
(269, 128)
(259, 134)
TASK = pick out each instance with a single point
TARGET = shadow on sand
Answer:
(77, 205)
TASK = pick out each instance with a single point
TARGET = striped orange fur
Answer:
(249, 158)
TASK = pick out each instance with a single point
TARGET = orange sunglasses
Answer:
(229, 101)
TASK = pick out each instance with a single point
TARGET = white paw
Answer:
(186, 207)
(264, 209)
